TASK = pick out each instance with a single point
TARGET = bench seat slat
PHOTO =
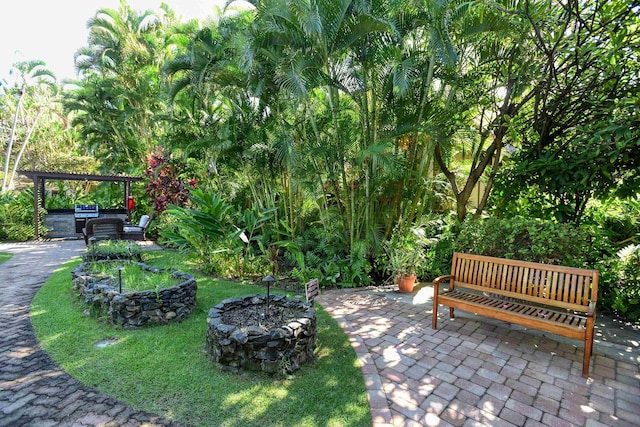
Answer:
(570, 319)
(527, 297)
(523, 315)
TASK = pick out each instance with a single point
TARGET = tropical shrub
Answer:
(221, 239)
(620, 283)
(440, 253)
(535, 240)
(321, 252)
(16, 216)
(165, 186)
(618, 218)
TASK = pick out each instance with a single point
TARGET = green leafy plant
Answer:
(405, 252)
(134, 277)
(222, 240)
(203, 230)
(621, 279)
(618, 218)
(531, 239)
(112, 249)
(345, 272)
(357, 268)
(442, 234)
(16, 211)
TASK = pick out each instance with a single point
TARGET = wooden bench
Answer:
(556, 299)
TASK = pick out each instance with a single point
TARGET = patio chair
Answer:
(137, 232)
(103, 229)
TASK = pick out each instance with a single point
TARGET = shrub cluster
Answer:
(16, 211)
(535, 240)
(620, 278)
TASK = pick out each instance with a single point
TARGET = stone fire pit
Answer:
(241, 337)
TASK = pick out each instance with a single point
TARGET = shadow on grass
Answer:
(4, 256)
(164, 369)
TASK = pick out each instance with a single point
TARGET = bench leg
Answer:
(434, 318)
(588, 347)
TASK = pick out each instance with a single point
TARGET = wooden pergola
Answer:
(39, 179)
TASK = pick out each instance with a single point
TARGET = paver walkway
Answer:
(474, 371)
(470, 372)
(35, 391)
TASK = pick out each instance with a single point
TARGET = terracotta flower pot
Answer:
(406, 283)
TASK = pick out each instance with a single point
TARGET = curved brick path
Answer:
(35, 391)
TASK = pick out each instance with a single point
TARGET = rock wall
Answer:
(141, 308)
(280, 350)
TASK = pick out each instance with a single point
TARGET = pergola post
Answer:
(36, 205)
(127, 192)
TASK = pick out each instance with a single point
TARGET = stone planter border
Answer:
(281, 350)
(139, 308)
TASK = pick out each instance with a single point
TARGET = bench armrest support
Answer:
(436, 282)
(592, 309)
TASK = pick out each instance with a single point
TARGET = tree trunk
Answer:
(22, 148)
(10, 143)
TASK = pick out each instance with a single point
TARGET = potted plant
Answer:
(405, 252)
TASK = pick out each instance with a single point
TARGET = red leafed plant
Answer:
(165, 186)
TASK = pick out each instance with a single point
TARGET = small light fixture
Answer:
(119, 268)
(268, 280)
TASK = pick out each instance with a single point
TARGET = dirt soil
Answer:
(256, 315)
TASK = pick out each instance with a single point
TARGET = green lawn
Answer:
(164, 369)
(5, 257)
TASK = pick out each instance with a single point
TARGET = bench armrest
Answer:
(436, 282)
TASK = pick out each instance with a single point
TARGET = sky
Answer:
(53, 30)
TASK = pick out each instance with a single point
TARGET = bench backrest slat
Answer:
(544, 283)
(106, 230)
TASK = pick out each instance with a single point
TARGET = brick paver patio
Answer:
(475, 371)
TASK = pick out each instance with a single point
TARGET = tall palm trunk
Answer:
(22, 148)
(12, 136)
(348, 198)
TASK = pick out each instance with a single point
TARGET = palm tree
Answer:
(117, 39)
(35, 85)
(118, 105)
(363, 71)
(212, 107)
